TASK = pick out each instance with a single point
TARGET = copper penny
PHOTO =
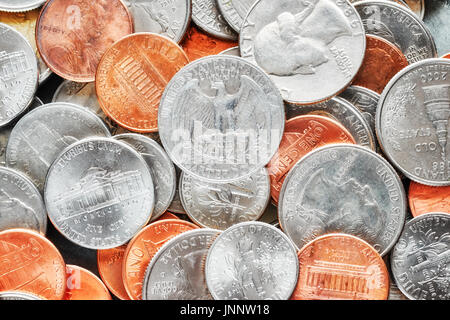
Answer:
(383, 60)
(447, 56)
(143, 247)
(198, 44)
(31, 263)
(303, 134)
(84, 285)
(425, 199)
(132, 76)
(341, 267)
(72, 35)
(110, 263)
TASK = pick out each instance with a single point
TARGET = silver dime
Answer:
(235, 11)
(437, 17)
(221, 205)
(43, 133)
(399, 26)
(311, 49)
(18, 74)
(21, 204)
(176, 206)
(413, 120)
(20, 5)
(16, 295)
(161, 168)
(169, 18)
(232, 52)
(99, 193)
(343, 189)
(252, 261)
(176, 271)
(206, 15)
(342, 111)
(420, 259)
(221, 119)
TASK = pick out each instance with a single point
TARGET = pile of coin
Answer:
(231, 150)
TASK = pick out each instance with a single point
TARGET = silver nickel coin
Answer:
(343, 189)
(398, 25)
(221, 119)
(16, 295)
(311, 49)
(21, 203)
(206, 15)
(413, 119)
(235, 11)
(43, 133)
(436, 19)
(420, 259)
(222, 205)
(252, 261)
(235, 51)
(161, 168)
(169, 18)
(20, 5)
(18, 74)
(99, 193)
(176, 271)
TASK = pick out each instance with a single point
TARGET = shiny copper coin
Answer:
(341, 267)
(110, 265)
(447, 56)
(143, 247)
(31, 263)
(302, 135)
(72, 35)
(132, 76)
(84, 285)
(425, 199)
(383, 60)
(198, 44)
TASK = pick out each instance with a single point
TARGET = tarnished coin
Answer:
(251, 261)
(436, 19)
(131, 78)
(19, 5)
(425, 199)
(398, 25)
(43, 133)
(235, 11)
(420, 259)
(176, 206)
(16, 295)
(344, 112)
(161, 168)
(235, 51)
(18, 74)
(344, 189)
(221, 205)
(300, 43)
(341, 267)
(99, 193)
(206, 15)
(221, 119)
(176, 271)
(82, 284)
(25, 23)
(72, 35)
(413, 119)
(169, 18)
(21, 203)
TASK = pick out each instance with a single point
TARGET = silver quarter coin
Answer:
(176, 271)
(437, 17)
(43, 133)
(161, 168)
(176, 206)
(420, 260)
(252, 261)
(343, 189)
(235, 11)
(311, 49)
(221, 205)
(235, 51)
(206, 15)
(342, 111)
(20, 5)
(21, 204)
(169, 18)
(99, 193)
(221, 119)
(399, 26)
(15, 295)
(18, 74)
(413, 120)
